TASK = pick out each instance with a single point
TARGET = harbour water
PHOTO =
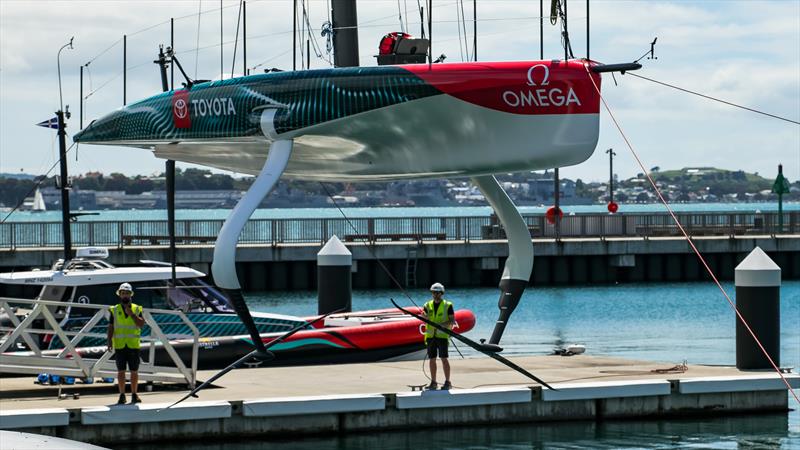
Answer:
(321, 213)
(668, 323)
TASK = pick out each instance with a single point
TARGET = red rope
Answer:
(688, 239)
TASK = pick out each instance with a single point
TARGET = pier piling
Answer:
(334, 280)
(758, 284)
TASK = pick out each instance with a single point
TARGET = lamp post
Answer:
(61, 114)
(58, 62)
(612, 207)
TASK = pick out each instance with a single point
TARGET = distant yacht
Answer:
(35, 203)
(38, 202)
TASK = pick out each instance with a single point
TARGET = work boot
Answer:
(432, 386)
(135, 399)
(121, 400)
(446, 386)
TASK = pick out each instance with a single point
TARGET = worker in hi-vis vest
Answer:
(440, 311)
(124, 329)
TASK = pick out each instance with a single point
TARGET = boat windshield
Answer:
(198, 296)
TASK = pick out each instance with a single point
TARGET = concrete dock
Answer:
(569, 261)
(293, 401)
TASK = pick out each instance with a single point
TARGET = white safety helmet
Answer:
(125, 287)
(437, 287)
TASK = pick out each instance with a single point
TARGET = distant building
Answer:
(208, 199)
(78, 199)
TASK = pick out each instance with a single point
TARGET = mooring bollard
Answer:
(758, 295)
(334, 280)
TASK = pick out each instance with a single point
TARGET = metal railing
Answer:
(68, 361)
(465, 228)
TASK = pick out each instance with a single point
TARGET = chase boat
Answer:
(340, 338)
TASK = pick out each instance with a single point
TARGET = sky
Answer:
(746, 52)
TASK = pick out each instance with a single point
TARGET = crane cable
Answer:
(686, 235)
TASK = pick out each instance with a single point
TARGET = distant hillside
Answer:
(716, 181)
(17, 176)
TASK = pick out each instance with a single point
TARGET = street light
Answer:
(58, 58)
(612, 207)
(62, 154)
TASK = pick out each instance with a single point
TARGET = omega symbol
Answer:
(545, 76)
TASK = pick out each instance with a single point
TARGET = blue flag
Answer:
(52, 123)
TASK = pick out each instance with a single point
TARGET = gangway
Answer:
(68, 362)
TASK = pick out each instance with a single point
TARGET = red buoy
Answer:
(550, 215)
(613, 207)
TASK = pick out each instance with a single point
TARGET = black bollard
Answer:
(758, 294)
(334, 280)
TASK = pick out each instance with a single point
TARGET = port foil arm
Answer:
(223, 266)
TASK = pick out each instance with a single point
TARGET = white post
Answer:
(758, 299)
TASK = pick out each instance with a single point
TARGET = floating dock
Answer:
(293, 401)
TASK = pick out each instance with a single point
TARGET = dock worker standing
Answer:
(440, 311)
(124, 330)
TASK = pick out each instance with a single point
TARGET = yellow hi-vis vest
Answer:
(437, 316)
(126, 333)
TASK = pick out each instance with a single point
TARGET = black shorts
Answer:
(438, 345)
(127, 357)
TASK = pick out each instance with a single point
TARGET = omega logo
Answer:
(540, 97)
(545, 76)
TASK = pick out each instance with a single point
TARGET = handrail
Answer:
(68, 359)
(374, 229)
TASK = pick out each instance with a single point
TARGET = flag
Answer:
(52, 123)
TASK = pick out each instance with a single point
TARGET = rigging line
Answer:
(311, 36)
(270, 59)
(37, 184)
(300, 25)
(104, 51)
(102, 85)
(715, 99)
(405, 6)
(149, 28)
(197, 40)
(128, 69)
(159, 24)
(421, 20)
(236, 40)
(370, 247)
(686, 235)
(464, 27)
(458, 28)
(400, 17)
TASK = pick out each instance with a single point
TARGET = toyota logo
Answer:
(181, 109)
(545, 76)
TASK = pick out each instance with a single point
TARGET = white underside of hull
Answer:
(432, 137)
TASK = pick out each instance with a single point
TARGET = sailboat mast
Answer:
(345, 33)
